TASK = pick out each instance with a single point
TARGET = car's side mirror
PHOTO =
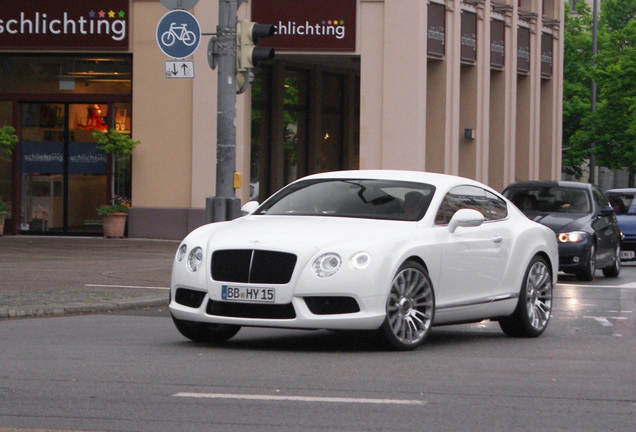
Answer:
(465, 218)
(606, 211)
(249, 207)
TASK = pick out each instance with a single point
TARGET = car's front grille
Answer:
(251, 310)
(252, 266)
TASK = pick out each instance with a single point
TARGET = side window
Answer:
(600, 198)
(471, 197)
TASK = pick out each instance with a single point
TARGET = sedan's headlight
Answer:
(181, 252)
(360, 260)
(195, 258)
(572, 237)
(327, 265)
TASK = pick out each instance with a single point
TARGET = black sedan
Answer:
(588, 234)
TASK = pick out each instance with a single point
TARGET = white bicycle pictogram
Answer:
(178, 32)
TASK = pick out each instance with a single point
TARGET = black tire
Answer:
(587, 274)
(205, 332)
(531, 317)
(410, 308)
(615, 269)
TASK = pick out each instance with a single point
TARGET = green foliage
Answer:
(5, 206)
(8, 138)
(612, 128)
(115, 142)
(118, 205)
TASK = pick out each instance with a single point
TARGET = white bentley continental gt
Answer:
(389, 252)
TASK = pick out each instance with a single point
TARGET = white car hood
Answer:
(300, 232)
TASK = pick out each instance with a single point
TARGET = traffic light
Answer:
(248, 34)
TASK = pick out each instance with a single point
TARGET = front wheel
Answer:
(205, 332)
(615, 269)
(410, 308)
(532, 314)
(587, 274)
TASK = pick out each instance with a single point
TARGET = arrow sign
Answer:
(179, 68)
(178, 34)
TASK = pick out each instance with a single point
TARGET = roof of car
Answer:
(549, 183)
(403, 175)
(623, 190)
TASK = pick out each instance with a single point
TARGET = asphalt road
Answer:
(132, 371)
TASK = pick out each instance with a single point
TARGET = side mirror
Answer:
(606, 211)
(465, 218)
(249, 207)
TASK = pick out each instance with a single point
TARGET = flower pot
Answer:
(114, 225)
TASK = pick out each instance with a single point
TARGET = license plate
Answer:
(626, 255)
(247, 294)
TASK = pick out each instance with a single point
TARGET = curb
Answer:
(58, 310)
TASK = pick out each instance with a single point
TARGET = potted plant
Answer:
(5, 208)
(120, 146)
(113, 216)
(8, 138)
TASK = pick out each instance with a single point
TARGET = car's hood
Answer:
(561, 222)
(627, 223)
(292, 232)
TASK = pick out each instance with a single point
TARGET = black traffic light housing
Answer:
(248, 34)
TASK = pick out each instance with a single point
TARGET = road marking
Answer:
(126, 286)
(628, 285)
(301, 398)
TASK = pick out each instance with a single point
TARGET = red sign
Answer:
(308, 25)
(64, 24)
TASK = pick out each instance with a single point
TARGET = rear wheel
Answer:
(532, 314)
(410, 308)
(205, 332)
(615, 269)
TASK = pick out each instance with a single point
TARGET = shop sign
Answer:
(497, 44)
(546, 55)
(47, 157)
(308, 25)
(64, 25)
(523, 50)
(436, 30)
(468, 50)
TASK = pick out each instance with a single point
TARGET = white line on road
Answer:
(301, 398)
(126, 286)
(628, 285)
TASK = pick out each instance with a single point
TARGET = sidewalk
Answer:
(45, 276)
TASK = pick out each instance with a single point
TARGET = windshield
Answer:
(550, 199)
(622, 203)
(371, 199)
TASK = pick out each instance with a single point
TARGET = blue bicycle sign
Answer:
(178, 34)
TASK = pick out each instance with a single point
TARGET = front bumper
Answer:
(573, 257)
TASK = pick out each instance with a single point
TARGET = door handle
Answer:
(497, 239)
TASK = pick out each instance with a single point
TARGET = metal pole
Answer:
(223, 206)
(593, 87)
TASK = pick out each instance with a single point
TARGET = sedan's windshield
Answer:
(373, 199)
(550, 199)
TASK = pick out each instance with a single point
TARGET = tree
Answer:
(613, 126)
(577, 78)
(615, 120)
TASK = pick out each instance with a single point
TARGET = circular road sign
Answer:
(178, 34)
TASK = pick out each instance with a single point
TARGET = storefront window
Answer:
(42, 74)
(6, 161)
(295, 125)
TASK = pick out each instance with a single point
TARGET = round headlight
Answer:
(360, 261)
(572, 237)
(195, 258)
(181, 252)
(327, 265)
